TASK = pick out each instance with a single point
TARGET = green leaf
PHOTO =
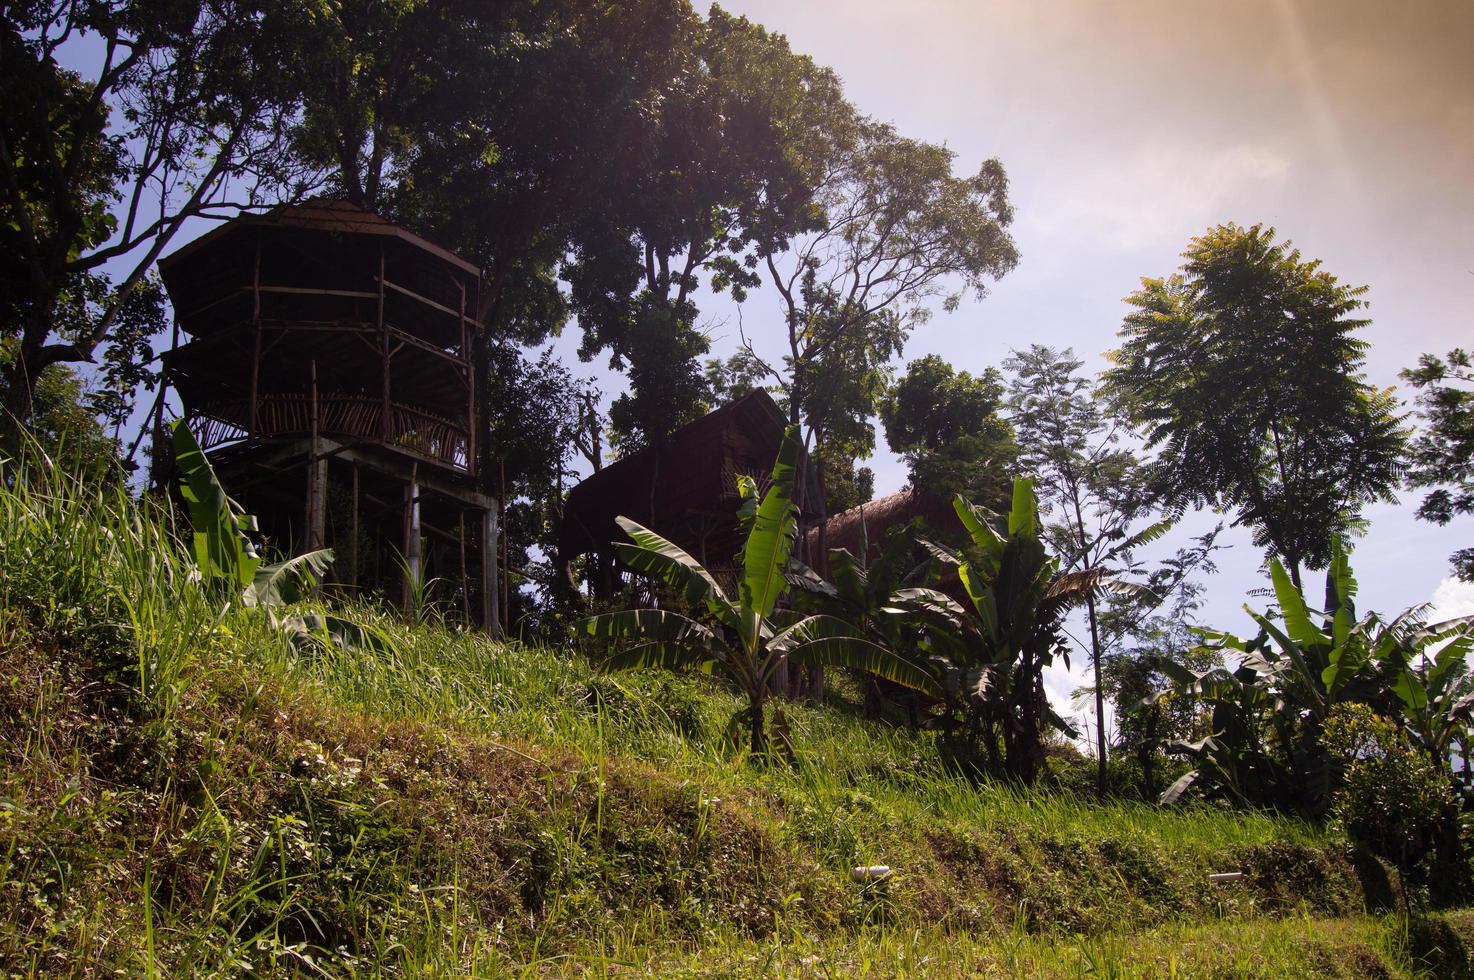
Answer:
(662, 653)
(286, 582)
(221, 547)
(771, 538)
(984, 538)
(653, 555)
(812, 628)
(1311, 680)
(650, 624)
(859, 654)
(1410, 691)
(1023, 516)
(1292, 606)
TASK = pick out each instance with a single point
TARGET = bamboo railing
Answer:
(356, 416)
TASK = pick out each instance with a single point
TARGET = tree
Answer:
(1244, 370)
(1443, 453)
(1270, 711)
(893, 229)
(180, 120)
(1131, 672)
(1091, 483)
(946, 425)
(740, 637)
(63, 425)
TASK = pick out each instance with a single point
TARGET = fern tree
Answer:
(1245, 370)
(744, 637)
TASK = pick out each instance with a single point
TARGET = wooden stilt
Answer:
(490, 587)
(353, 534)
(501, 506)
(465, 578)
(316, 477)
(411, 532)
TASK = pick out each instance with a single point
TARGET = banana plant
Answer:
(1432, 681)
(994, 651)
(744, 637)
(1270, 711)
(227, 559)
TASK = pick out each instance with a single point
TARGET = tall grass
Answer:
(178, 789)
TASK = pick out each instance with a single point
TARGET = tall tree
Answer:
(729, 173)
(1244, 368)
(894, 229)
(947, 425)
(1090, 482)
(1443, 452)
(181, 118)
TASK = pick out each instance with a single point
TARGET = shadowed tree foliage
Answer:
(946, 425)
(180, 115)
(1443, 453)
(1244, 370)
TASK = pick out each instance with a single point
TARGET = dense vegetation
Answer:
(189, 786)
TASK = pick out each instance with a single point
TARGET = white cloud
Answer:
(1452, 598)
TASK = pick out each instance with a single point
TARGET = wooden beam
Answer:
(416, 296)
(385, 421)
(254, 428)
(353, 534)
(308, 291)
(317, 478)
(411, 533)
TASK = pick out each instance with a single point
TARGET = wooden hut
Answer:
(684, 490)
(329, 375)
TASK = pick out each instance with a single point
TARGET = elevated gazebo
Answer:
(329, 375)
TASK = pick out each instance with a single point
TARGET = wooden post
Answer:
(465, 578)
(501, 506)
(386, 427)
(353, 534)
(470, 369)
(411, 532)
(317, 478)
(255, 421)
(490, 599)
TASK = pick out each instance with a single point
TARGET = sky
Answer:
(1126, 128)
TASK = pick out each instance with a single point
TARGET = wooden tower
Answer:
(330, 376)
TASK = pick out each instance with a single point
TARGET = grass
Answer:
(185, 788)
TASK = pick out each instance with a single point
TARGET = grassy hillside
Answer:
(184, 789)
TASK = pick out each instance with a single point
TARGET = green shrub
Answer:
(1392, 800)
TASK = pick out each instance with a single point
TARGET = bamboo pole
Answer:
(353, 534)
(411, 532)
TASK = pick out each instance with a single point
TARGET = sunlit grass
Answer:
(177, 788)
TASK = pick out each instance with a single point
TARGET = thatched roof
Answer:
(686, 489)
(870, 522)
(321, 259)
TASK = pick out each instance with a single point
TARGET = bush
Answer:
(1393, 800)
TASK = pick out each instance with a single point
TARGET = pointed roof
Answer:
(319, 214)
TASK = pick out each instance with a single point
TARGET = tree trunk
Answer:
(1100, 739)
(758, 730)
